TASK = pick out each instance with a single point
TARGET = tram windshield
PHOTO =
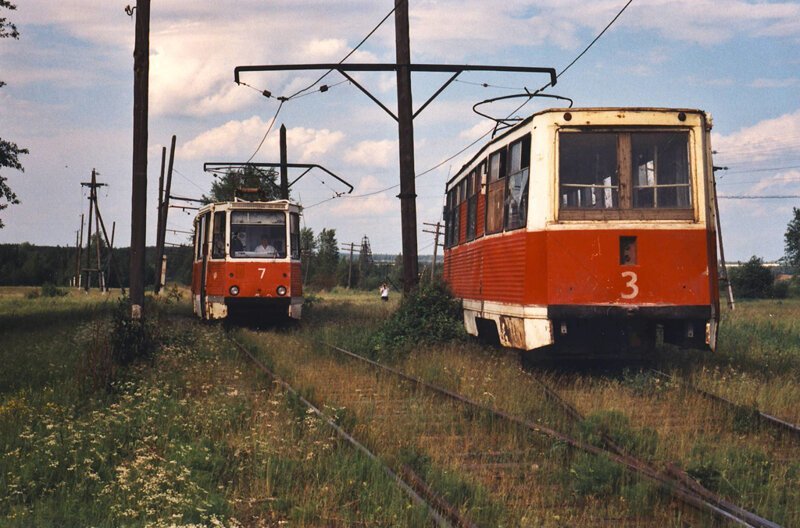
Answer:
(258, 234)
(625, 170)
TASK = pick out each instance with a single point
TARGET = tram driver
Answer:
(265, 248)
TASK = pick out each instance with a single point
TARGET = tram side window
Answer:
(455, 217)
(516, 203)
(495, 192)
(588, 171)
(200, 236)
(472, 202)
(258, 234)
(294, 234)
(660, 170)
(218, 236)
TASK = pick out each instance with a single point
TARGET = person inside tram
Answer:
(236, 243)
(265, 248)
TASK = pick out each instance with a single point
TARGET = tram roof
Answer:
(530, 118)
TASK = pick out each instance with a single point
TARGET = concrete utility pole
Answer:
(141, 71)
(438, 226)
(405, 127)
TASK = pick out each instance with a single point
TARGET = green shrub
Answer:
(427, 315)
(594, 475)
(51, 290)
(752, 279)
(616, 427)
(131, 339)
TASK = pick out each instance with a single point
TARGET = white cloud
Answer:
(771, 139)
(238, 140)
(775, 83)
(375, 205)
(381, 153)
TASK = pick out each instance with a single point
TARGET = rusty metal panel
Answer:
(296, 289)
(672, 267)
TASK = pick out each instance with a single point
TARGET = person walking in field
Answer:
(384, 292)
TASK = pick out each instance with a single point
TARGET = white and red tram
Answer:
(247, 260)
(588, 225)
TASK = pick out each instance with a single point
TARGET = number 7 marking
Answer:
(263, 270)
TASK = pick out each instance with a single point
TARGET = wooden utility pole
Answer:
(141, 72)
(163, 214)
(350, 246)
(94, 215)
(405, 125)
(284, 165)
(78, 258)
(438, 226)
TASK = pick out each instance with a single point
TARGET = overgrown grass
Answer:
(188, 438)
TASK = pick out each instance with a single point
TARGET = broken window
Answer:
(588, 171)
(218, 236)
(660, 170)
(472, 202)
(516, 203)
(617, 175)
(495, 194)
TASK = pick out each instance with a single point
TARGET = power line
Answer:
(487, 85)
(274, 118)
(761, 197)
(179, 173)
(297, 93)
(595, 39)
(581, 54)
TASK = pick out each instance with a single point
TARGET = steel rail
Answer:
(674, 486)
(407, 489)
(774, 421)
(672, 469)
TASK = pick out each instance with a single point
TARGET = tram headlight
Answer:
(281, 290)
(234, 290)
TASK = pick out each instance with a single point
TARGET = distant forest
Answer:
(29, 265)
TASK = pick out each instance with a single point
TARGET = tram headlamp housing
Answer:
(281, 290)
(234, 290)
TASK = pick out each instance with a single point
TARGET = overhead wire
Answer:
(449, 158)
(297, 93)
(301, 92)
(271, 124)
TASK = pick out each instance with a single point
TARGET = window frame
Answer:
(495, 186)
(525, 161)
(625, 209)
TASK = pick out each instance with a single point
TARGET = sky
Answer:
(69, 100)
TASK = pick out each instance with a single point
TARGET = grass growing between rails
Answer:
(457, 452)
(188, 438)
(757, 363)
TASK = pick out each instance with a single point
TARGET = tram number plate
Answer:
(631, 289)
(263, 270)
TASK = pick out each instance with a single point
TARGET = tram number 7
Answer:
(631, 284)
(262, 270)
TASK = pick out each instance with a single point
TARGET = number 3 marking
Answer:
(262, 270)
(632, 278)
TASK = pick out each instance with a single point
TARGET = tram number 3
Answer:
(263, 270)
(632, 290)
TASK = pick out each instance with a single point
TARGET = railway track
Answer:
(503, 462)
(441, 513)
(715, 502)
(779, 425)
(675, 481)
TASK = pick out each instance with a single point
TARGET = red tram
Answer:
(593, 225)
(247, 260)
